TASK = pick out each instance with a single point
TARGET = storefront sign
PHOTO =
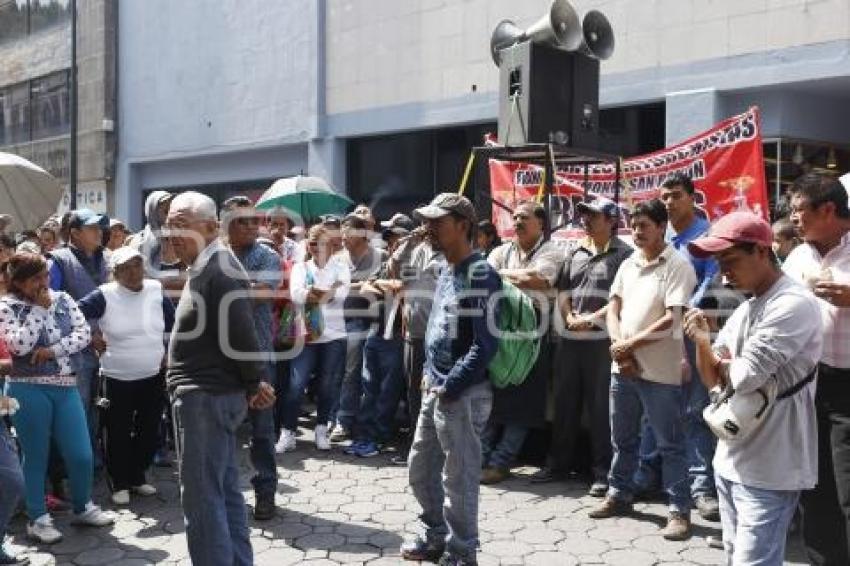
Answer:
(725, 163)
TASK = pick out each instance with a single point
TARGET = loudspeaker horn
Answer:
(560, 27)
(507, 33)
(598, 40)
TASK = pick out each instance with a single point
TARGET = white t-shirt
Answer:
(334, 275)
(647, 290)
(805, 264)
(780, 335)
(132, 325)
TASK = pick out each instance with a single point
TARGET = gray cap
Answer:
(601, 205)
(444, 204)
(398, 224)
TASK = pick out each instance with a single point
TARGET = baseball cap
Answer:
(738, 227)
(331, 219)
(398, 224)
(113, 222)
(444, 204)
(600, 205)
(123, 255)
(87, 217)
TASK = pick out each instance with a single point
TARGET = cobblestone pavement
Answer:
(336, 509)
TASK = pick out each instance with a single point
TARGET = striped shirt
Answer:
(805, 264)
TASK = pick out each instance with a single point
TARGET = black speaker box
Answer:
(548, 95)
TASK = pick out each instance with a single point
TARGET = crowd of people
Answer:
(117, 347)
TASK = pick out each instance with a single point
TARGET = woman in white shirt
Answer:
(133, 316)
(322, 281)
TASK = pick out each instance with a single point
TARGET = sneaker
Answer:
(490, 476)
(678, 527)
(610, 507)
(93, 516)
(264, 509)
(708, 508)
(422, 550)
(598, 489)
(367, 449)
(399, 460)
(451, 559)
(286, 442)
(322, 440)
(340, 433)
(7, 559)
(145, 490)
(43, 531)
(121, 497)
(547, 475)
(715, 541)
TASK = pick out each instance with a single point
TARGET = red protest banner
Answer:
(725, 163)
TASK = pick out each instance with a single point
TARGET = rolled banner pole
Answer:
(466, 173)
(541, 190)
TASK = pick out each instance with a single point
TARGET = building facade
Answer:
(384, 98)
(35, 86)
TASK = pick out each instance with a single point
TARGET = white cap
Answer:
(123, 255)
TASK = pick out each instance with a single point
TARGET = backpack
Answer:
(519, 342)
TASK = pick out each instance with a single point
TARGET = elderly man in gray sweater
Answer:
(213, 380)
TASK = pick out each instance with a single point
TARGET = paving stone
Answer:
(504, 549)
(550, 559)
(629, 558)
(75, 544)
(279, 557)
(539, 536)
(102, 555)
(319, 541)
(705, 556)
(352, 553)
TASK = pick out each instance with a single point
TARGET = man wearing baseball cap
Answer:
(776, 334)
(445, 458)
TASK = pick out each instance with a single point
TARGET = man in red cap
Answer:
(775, 335)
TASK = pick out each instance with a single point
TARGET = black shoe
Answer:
(449, 559)
(708, 507)
(546, 475)
(598, 489)
(422, 550)
(264, 509)
(399, 460)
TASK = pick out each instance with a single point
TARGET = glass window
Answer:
(50, 106)
(18, 113)
(13, 19)
(48, 13)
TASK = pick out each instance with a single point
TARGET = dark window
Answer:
(45, 14)
(18, 113)
(219, 192)
(13, 19)
(632, 130)
(50, 106)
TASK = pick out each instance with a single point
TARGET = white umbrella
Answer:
(27, 192)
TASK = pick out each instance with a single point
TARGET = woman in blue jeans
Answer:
(43, 329)
(322, 281)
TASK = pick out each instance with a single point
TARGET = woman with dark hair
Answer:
(43, 330)
(487, 238)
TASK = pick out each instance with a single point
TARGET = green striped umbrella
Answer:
(304, 197)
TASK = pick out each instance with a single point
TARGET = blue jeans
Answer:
(699, 441)
(262, 450)
(87, 367)
(11, 479)
(444, 466)
(349, 385)
(216, 519)
(383, 384)
(500, 451)
(51, 412)
(326, 359)
(755, 523)
(664, 408)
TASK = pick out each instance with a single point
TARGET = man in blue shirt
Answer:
(242, 222)
(445, 458)
(686, 225)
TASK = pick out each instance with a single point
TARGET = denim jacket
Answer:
(26, 327)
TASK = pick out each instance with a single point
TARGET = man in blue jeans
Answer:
(211, 383)
(11, 478)
(262, 267)
(647, 296)
(445, 458)
(686, 225)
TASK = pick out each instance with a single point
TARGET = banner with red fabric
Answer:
(725, 163)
